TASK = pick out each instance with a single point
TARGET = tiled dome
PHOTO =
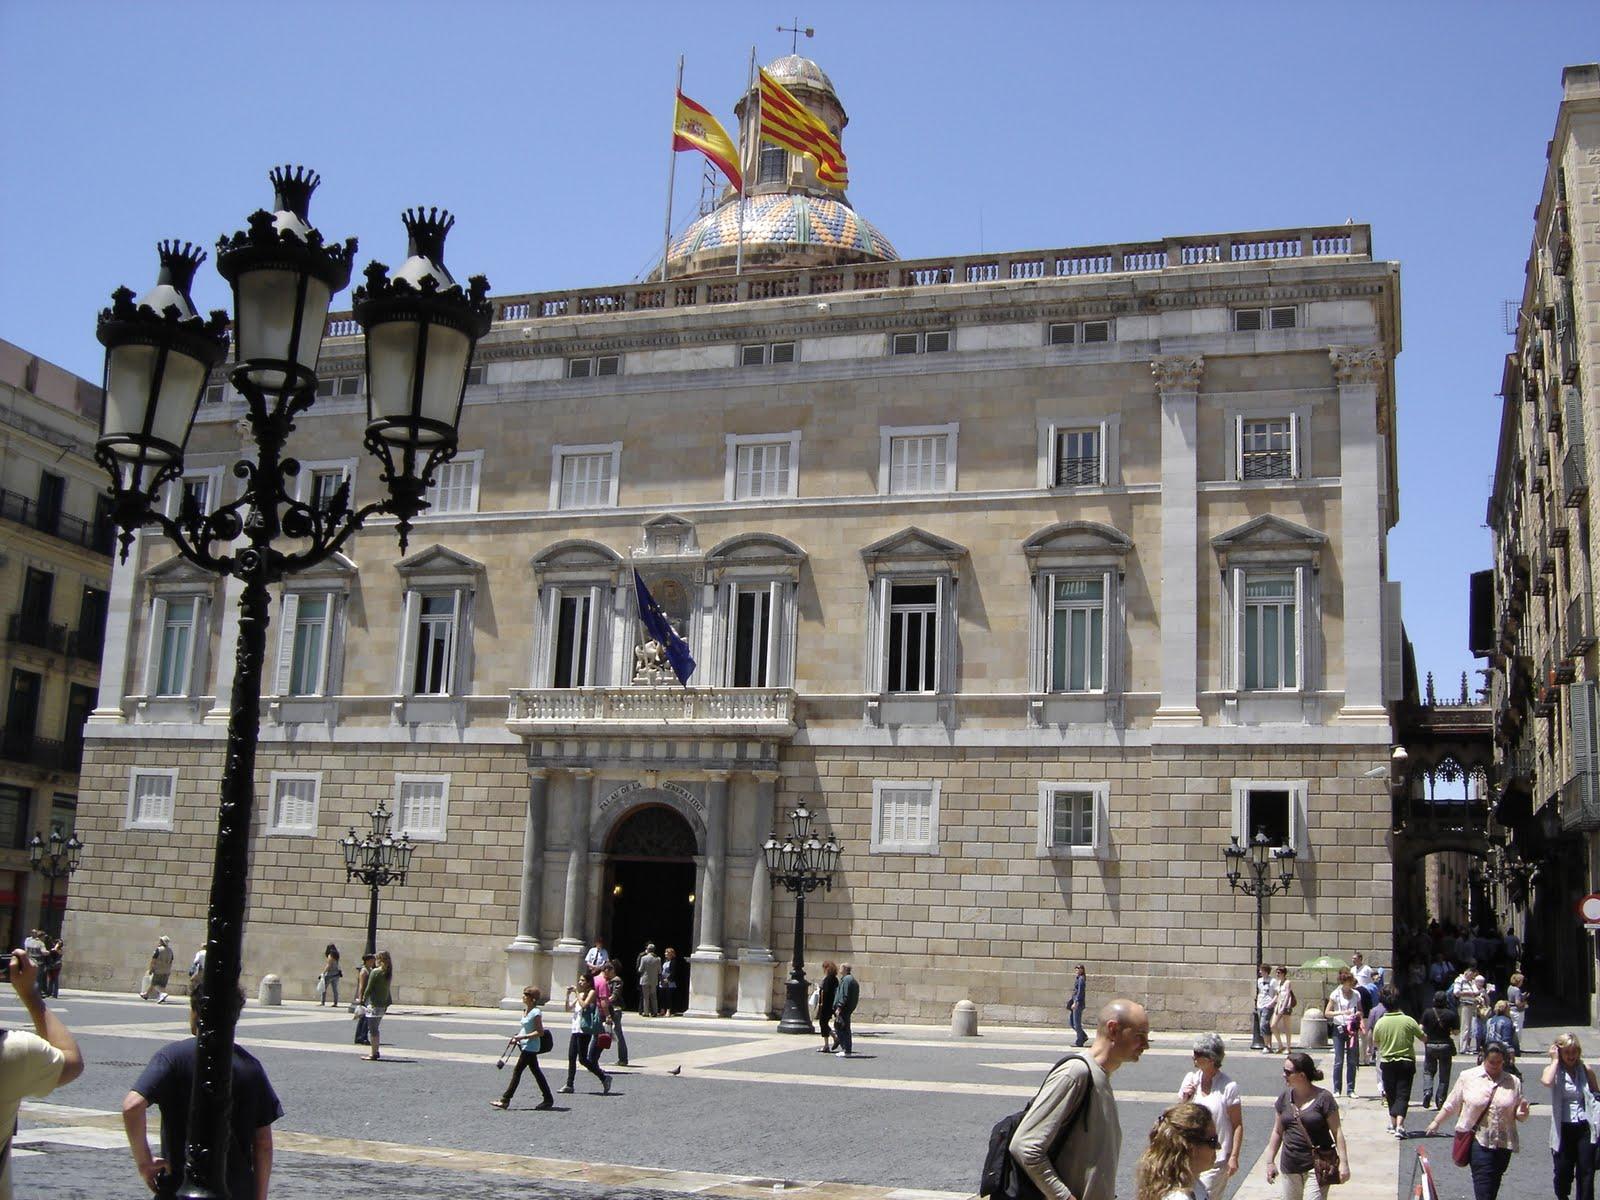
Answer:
(781, 230)
(793, 68)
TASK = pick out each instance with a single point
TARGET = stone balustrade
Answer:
(1167, 254)
(668, 709)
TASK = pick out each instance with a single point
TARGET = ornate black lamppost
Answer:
(420, 327)
(55, 859)
(1259, 857)
(802, 864)
(376, 860)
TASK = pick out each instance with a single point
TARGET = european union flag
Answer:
(658, 627)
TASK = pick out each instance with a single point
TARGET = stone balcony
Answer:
(668, 711)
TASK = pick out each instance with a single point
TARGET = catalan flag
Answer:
(788, 123)
(693, 128)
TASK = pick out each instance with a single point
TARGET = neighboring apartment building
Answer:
(55, 576)
(1545, 667)
(1036, 576)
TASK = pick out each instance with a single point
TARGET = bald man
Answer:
(1069, 1138)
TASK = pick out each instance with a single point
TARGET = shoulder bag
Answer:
(1461, 1144)
(1324, 1159)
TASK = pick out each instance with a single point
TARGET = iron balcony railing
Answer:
(98, 536)
(1580, 622)
(31, 631)
(24, 746)
(1574, 476)
(86, 644)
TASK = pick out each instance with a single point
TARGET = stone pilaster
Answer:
(227, 656)
(757, 967)
(705, 978)
(568, 952)
(524, 955)
(1359, 372)
(116, 658)
(1178, 382)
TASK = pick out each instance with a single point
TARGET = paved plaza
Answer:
(750, 1113)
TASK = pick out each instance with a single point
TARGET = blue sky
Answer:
(544, 127)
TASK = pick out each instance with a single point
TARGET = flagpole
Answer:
(744, 174)
(672, 172)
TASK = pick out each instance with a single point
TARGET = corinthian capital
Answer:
(1353, 366)
(1178, 372)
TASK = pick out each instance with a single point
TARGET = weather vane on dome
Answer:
(796, 29)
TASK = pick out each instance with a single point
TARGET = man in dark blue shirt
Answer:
(167, 1081)
(844, 1007)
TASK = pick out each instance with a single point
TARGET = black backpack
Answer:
(1002, 1178)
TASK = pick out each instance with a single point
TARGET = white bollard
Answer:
(271, 992)
(964, 1019)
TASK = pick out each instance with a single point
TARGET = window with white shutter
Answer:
(1077, 633)
(905, 817)
(294, 804)
(1276, 808)
(762, 466)
(438, 619)
(585, 476)
(1269, 655)
(306, 625)
(1072, 819)
(151, 793)
(455, 485)
(420, 805)
(576, 628)
(176, 619)
(750, 629)
(1079, 457)
(916, 460)
(913, 635)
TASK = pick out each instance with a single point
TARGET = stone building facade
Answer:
(55, 579)
(1035, 576)
(1542, 646)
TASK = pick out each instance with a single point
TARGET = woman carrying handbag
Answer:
(1490, 1101)
(1306, 1130)
(533, 1039)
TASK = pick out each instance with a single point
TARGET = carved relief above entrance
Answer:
(620, 806)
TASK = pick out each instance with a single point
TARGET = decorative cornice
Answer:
(1178, 372)
(1358, 366)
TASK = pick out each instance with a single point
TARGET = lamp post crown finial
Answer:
(427, 230)
(292, 187)
(179, 262)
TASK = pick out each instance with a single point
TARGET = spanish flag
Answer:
(693, 128)
(788, 123)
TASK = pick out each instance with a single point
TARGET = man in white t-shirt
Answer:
(31, 1064)
(1359, 968)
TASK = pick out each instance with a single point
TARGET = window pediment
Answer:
(764, 554)
(440, 567)
(178, 575)
(913, 549)
(1269, 539)
(337, 572)
(576, 558)
(1077, 544)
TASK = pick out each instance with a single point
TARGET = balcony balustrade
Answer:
(1579, 630)
(667, 711)
(24, 510)
(30, 631)
(1075, 262)
(1580, 800)
(24, 746)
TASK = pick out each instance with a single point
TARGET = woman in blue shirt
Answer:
(530, 1037)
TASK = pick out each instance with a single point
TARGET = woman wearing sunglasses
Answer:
(1183, 1146)
(1307, 1119)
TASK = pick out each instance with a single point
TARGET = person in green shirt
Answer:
(1395, 1036)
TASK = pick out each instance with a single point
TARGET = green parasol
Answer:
(1325, 962)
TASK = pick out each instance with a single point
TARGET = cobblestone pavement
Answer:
(751, 1112)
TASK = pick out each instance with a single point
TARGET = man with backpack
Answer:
(1066, 1142)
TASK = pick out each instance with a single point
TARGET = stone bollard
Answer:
(1314, 1030)
(271, 993)
(964, 1019)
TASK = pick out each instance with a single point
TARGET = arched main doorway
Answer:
(649, 893)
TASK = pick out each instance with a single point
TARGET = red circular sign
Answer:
(1589, 908)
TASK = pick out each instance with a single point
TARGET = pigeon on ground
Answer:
(678, 1070)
